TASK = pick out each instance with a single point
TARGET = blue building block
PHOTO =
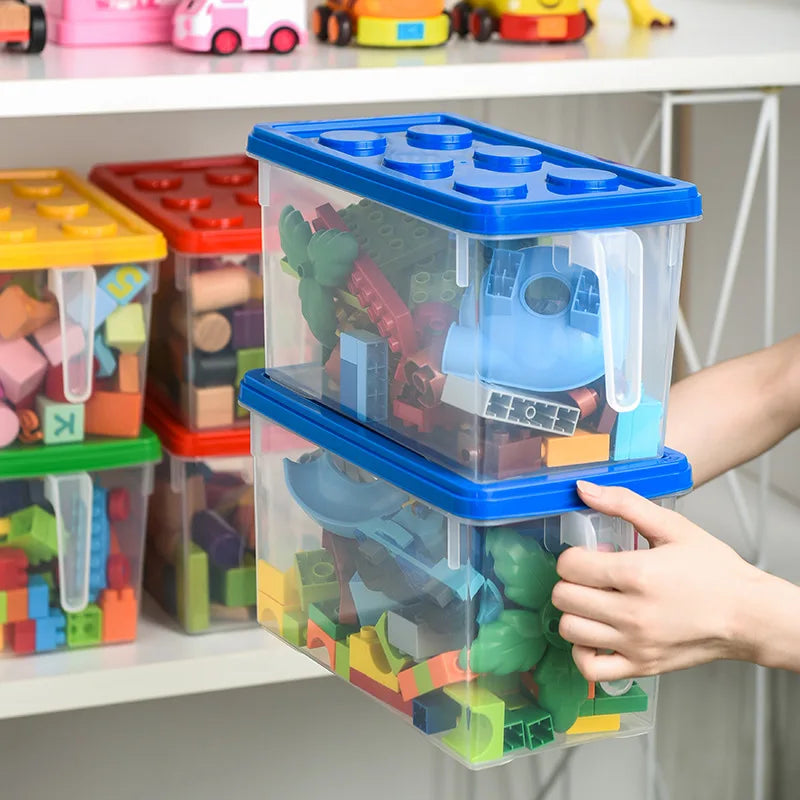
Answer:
(435, 712)
(584, 313)
(105, 358)
(38, 597)
(100, 542)
(365, 389)
(51, 631)
(124, 282)
(369, 604)
(638, 432)
(103, 306)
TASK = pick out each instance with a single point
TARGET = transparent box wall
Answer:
(495, 357)
(71, 558)
(208, 331)
(447, 622)
(201, 541)
(73, 352)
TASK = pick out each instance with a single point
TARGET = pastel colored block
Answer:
(125, 328)
(17, 604)
(22, 369)
(599, 723)
(21, 314)
(212, 406)
(582, 448)
(128, 373)
(124, 282)
(60, 422)
(56, 348)
(103, 306)
(107, 362)
(113, 414)
(9, 426)
(38, 597)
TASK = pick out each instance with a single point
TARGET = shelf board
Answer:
(163, 662)
(716, 44)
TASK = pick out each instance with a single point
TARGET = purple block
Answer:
(223, 544)
(248, 326)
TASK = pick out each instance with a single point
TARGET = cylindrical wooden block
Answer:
(211, 331)
(219, 288)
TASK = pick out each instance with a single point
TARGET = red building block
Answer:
(118, 504)
(22, 636)
(118, 571)
(317, 637)
(13, 566)
(393, 699)
(119, 614)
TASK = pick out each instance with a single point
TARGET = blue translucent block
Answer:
(369, 604)
(638, 432)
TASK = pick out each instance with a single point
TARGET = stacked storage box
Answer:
(77, 272)
(483, 319)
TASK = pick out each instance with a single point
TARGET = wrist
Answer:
(750, 631)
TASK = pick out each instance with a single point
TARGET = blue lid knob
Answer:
(426, 166)
(439, 137)
(487, 185)
(507, 158)
(564, 180)
(354, 143)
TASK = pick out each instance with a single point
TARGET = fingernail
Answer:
(589, 489)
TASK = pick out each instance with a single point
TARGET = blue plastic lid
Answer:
(422, 164)
(514, 499)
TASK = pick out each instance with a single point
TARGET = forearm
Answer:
(734, 411)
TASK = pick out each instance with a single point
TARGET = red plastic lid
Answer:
(202, 205)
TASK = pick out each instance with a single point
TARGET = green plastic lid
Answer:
(26, 461)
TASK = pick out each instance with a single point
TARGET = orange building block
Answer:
(17, 605)
(582, 448)
(2, 637)
(113, 414)
(21, 314)
(120, 614)
(444, 669)
(591, 690)
(316, 637)
(128, 373)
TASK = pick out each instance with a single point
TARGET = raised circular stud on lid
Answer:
(43, 188)
(487, 185)
(230, 177)
(425, 166)
(70, 207)
(355, 143)
(216, 221)
(17, 232)
(190, 202)
(244, 198)
(507, 158)
(158, 181)
(5, 213)
(95, 227)
(439, 137)
(568, 180)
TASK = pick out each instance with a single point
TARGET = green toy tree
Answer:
(562, 688)
(511, 643)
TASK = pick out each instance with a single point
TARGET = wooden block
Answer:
(57, 348)
(211, 332)
(219, 288)
(582, 448)
(212, 406)
(128, 373)
(22, 369)
(21, 314)
(256, 285)
(60, 422)
(113, 413)
(125, 328)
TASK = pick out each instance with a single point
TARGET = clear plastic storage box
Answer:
(431, 592)
(77, 272)
(72, 528)
(209, 323)
(498, 304)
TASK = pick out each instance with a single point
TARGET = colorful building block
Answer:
(58, 348)
(100, 541)
(248, 326)
(54, 380)
(125, 328)
(270, 613)
(369, 604)
(364, 374)
(38, 597)
(113, 414)
(326, 614)
(282, 586)
(106, 360)
(13, 566)
(128, 379)
(22, 637)
(396, 658)
(417, 638)
(479, 733)
(85, 628)
(192, 589)
(122, 283)
(529, 726)
(60, 422)
(119, 614)
(247, 359)
(316, 577)
(435, 712)
(367, 656)
(16, 604)
(212, 406)
(51, 631)
(381, 692)
(118, 571)
(582, 448)
(222, 542)
(316, 638)
(3, 608)
(104, 304)
(34, 530)
(22, 369)
(233, 586)
(435, 673)
(635, 699)
(638, 432)
(295, 627)
(21, 314)
(599, 723)
(342, 660)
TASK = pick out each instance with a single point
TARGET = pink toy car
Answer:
(225, 26)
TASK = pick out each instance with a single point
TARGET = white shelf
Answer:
(162, 663)
(716, 44)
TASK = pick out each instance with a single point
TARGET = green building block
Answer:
(192, 589)
(34, 530)
(504, 686)
(85, 628)
(60, 422)
(295, 627)
(3, 608)
(437, 287)
(316, 576)
(635, 699)
(343, 660)
(326, 614)
(247, 359)
(587, 709)
(532, 723)
(398, 660)
(422, 678)
(233, 587)
(479, 733)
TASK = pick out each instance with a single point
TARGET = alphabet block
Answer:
(60, 422)
(124, 282)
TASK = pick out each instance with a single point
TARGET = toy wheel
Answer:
(319, 22)
(340, 29)
(459, 19)
(225, 42)
(38, 30)
(481, 25)
(283, 41)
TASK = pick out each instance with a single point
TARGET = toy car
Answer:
(377, 23)
(224, 26)
(529, 21)
(23, 27)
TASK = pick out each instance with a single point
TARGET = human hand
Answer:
(645, 612)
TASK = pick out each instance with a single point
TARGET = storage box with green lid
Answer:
(72, 526)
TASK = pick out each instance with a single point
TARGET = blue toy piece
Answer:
(103, 306)
(471, 177)
(38, 597)
(100, 542)
(435, 712)
(124, 282)
(638, 432)
(369, 604)
(105, 358)
(525, 300)
(51, 631)
(584, 313)
(364, 375)
(337, 502)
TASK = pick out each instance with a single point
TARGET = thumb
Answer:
(656, 524)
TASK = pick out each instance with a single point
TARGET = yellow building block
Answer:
(582, 448)
(52, 218)
(2, 638)
(5, 527)
(282, 586)
(269, 613)
(367, 656)
(602, 723)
